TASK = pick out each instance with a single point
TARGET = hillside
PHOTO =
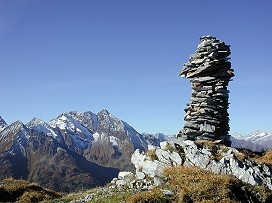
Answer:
(169, 174)
(12, 190)
(72, 151)
(189, 184)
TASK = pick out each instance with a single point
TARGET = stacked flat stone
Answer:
(209, 71)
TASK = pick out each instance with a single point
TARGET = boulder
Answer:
(218, 159)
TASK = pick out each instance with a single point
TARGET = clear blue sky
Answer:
(124, 56)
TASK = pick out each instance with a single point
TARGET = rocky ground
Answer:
(172, 171)
(176, 171)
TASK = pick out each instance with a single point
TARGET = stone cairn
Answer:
(209, 71)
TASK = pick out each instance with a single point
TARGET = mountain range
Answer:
(81, 149)
(257, 141)
(73, 151)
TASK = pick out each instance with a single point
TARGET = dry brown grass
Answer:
(265, 158)
(205, 144)
(259, 157)
(189, 185)
(12, 190)
(198, 185)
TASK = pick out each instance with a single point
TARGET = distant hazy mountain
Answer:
(72, 151)
(256, 141)
(154, 139)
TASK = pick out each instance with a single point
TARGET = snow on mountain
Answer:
(2, 123)
(161, 136)
(87, 119)
(260, 136)
(240, 143)
(65, 122)
(14, 136)
(105, 125)
(116, 142)
(80, 129)
(255, 141)
(82, 146)
(40, 126)
(154, 139)
(80, 137)
(110, 124)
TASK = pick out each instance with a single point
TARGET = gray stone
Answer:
(165, 144)
(114, 180)
(167, 192)
(207, 127)
(175, 158)
(125, 175)
(246, 171)
(158, 181)
(138, 159)
(163, 156)
(209, 72)
(193, 155)
(153, 168)
(120, 183)
(151, 147)
(140, 175)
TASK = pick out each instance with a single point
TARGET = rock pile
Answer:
(209, 71)
(149, 167)
(218, 159)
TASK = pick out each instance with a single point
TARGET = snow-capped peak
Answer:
(256, 141)
(65, 122)
(87, 119)
(35, 121)
(259, 135)
(81, 136)
(15, 134)
(109, 121)
(40, 126)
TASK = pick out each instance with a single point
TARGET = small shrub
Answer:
(205, 144)
(152, 154)
(220, 153)
(240, 156)
(171, 148)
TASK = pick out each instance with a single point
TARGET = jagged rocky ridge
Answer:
(209, 71)
(73, 151)
(149, 171)
(220, 159)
